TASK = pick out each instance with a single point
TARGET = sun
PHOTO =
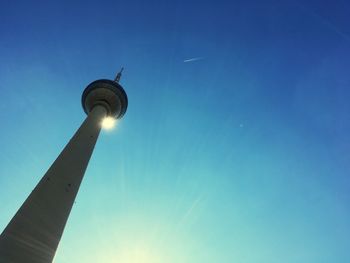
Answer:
(108, 123)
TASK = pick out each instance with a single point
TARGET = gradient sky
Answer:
(235, 146)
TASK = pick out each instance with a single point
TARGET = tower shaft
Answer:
(33, 234)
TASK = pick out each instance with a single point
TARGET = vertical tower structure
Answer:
(33, 234)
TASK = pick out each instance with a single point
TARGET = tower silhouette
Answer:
(33, 234)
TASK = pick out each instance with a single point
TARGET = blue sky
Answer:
(240, 156)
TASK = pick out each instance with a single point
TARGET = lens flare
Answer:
(108, 123)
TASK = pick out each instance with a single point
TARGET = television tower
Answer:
(33, 234)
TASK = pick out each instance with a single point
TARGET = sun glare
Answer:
(108, 123)
(137, 255)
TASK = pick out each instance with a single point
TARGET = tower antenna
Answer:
(119, 75)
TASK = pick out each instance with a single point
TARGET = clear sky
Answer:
(235, 147)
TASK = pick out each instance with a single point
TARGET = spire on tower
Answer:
(119, 75)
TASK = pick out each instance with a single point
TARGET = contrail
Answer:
(324, 21)
(193, 59)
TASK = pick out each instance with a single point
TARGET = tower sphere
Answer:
(107, 93)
